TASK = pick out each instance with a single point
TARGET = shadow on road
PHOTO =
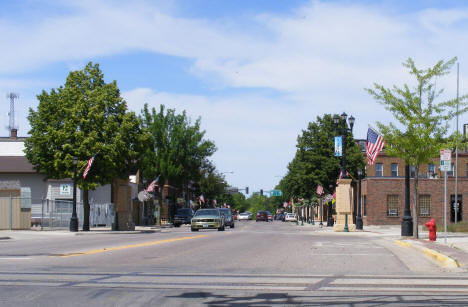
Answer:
(321, 299)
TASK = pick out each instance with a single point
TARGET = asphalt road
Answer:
(254, 264)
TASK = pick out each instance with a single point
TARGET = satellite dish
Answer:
(143, 196)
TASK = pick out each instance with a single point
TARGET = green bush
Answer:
(459, 227)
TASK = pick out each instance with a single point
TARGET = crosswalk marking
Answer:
(260, 282)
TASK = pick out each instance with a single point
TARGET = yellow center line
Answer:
(107, 249)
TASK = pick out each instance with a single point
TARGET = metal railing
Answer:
(22, 213)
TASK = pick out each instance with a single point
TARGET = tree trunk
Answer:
(85, 210)
(415, 203)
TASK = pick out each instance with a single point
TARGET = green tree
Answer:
(423, 121)
(85, 117)
(315, 163)
(212, 185)
(178, 151)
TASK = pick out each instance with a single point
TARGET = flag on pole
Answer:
(319, 190)
(152, 185)
(374, 145)
(88, 166)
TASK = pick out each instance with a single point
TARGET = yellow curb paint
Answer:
(445, 260)
(401, 243)
(107, 249)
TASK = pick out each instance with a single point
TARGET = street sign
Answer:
(143, 196)
(445, 154)
(276, 193)
(445, 166)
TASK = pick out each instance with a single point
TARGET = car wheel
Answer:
(176, 225)
(232, 225)
(221, 228)
(194, 229)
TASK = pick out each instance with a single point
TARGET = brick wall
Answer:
(376, 190)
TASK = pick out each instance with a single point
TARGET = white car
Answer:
(290, 217)
(244, 216)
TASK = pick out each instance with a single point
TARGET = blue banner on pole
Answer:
(338, 146)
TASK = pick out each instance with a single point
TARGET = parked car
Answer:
(262, 216)
(244, 216)
(183, 216)
(228, 218)
(207, 219)
(270, 216)
(289, 217)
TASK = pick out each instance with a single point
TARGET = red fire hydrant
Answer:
(431, 225)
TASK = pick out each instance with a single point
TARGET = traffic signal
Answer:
(261, 192)
(246, 190)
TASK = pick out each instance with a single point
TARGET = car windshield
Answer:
(184, 211)
(225, 212)
(207, 212)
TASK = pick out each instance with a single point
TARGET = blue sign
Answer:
(338, 146)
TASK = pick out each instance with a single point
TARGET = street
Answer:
(254, 264)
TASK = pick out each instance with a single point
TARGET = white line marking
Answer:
(15, 258)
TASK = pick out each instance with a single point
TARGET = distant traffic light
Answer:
(246, 190)
(261, 192)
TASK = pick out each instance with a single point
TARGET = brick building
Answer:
(383, 191)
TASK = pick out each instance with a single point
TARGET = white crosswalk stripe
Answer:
(271, 282)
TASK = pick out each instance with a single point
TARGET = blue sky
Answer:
(255, 71)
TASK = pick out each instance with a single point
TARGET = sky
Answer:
(255, 71)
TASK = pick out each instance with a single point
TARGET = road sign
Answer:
(445, 154)
(445, 166)
(143, 196)
(276, 193)
(445, 160)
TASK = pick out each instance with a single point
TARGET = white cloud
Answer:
(318, 58)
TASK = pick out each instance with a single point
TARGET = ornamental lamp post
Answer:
(359, 217)
(344, 130)
(74, 218)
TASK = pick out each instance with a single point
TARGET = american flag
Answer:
(319, 190)
(88, 167)
(374, 145)
(152, 185)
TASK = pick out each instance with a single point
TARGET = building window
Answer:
(430, 170)
(424, 205)
(378, 169)
(394, 169)
(392, 205)
(412, 171)
(365, 206)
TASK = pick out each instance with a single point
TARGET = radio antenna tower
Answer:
(12, 97)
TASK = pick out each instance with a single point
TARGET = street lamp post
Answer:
(74, 218)
(407, 222)
(359, 217)
(344, 130)
(330, 221)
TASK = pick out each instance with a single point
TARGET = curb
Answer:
(444, 260)
(84, 233)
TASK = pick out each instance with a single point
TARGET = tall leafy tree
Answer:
(178, 150)
(212, 185)
(82, 118)
(315, 163)
(423, 121)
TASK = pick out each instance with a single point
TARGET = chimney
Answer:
(14, 133)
